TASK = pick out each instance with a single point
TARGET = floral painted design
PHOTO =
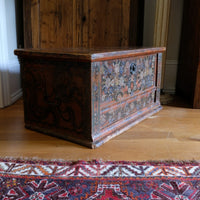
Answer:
(159, 75)
(95, 97)
(123, 90)
(125, 109)
(126, 77)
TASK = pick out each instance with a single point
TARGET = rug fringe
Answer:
(100, 161)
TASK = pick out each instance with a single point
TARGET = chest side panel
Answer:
(125, 88)
(57, 98)
(124, 78)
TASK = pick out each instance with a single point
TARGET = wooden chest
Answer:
(89, 96)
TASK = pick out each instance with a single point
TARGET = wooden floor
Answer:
(167, 135)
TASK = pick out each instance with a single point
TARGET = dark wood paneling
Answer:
(105, 23)
(188, 75)
(35, 25)
(27, 24)
(86, 96)
(19, 23)
(136, 23)
(77, 23)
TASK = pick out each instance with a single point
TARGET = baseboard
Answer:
(16, 95)
(172, 62)
(169, 91)
(170, 76)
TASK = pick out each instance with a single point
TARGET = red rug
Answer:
(42, 180)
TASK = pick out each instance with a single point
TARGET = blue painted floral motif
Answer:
(95, 97)
(126, 109)
(125, 77)
(122, 88)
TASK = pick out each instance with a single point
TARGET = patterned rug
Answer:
(38, 180)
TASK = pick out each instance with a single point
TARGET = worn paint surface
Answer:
(93, 98)
(119, 88)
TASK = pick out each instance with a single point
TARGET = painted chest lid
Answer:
(87, 54)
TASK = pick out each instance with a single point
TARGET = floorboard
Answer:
(171, 134)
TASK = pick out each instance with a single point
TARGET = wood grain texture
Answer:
(136, 22)
(28, 43)
(35, 16)
(171, 134)
(126, 23)
(188, 75)
(77, 23)
(87, 54)
(161, 28)
(19, 23)
(196, 101)
(89, 97)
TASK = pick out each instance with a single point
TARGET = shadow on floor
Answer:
(174, 100)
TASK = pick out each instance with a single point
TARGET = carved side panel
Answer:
(134, 106)
(95, 77)
(57, 97)
(158, 79)
(125, 78)
(122, 88)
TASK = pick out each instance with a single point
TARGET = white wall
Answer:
(173, 40)
(10, 88)
(149, 22)
(174, 36)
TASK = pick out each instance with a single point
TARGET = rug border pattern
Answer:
(63, 169)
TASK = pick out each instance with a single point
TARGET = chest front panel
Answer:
(122, 88)
(89, 96)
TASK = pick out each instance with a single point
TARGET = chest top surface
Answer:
(88, 54)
